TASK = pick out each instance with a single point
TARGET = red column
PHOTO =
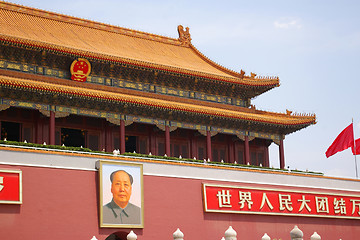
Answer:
(52, 128)
(167, 140)
(122, 136)
(281, 154)
(208, 145)
(247, 150)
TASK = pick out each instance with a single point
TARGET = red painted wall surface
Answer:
(63, 204)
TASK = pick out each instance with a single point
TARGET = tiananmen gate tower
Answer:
(80, 100)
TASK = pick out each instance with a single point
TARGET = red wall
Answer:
(63, 204)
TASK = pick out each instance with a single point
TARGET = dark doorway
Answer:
(113, 237)
(10, 131)
(117, 236)
(72, 137)
(130, 144)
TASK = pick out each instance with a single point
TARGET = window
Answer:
(11, 131)
(130, 143)
(253, 159)
(215, 155)
(219, 153)
(184, 151)
(240, 157)
(179, 148)
(143, 145)
(93, 141)
(257, 157)
(161, 149)
(73, 137)
(201, 153)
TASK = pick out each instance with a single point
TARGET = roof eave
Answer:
(295, 124)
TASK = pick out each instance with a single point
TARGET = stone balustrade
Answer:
(231, 234)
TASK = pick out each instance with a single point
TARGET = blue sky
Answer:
(312, 46)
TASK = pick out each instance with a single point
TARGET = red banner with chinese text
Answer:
(10, 186)
(248, 200)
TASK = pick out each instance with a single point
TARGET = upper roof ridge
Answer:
(208, 60)
(87, 23)
(240, 74)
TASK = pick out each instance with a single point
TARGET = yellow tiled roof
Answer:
(33, 27)
(257, 116)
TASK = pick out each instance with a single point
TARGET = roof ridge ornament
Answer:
(184, 35)
(242, 74)
(254, 76)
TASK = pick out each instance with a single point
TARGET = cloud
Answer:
(287, 23)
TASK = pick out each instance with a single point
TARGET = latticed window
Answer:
(257, 157)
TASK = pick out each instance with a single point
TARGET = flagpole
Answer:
(355, 152)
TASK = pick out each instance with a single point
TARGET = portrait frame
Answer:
(105, 193)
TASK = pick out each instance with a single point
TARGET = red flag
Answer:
(342, 142)
(357, 146)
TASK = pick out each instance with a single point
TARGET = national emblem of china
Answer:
(80, 69)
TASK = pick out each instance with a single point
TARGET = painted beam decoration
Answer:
(10, 186)
(250, 200)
